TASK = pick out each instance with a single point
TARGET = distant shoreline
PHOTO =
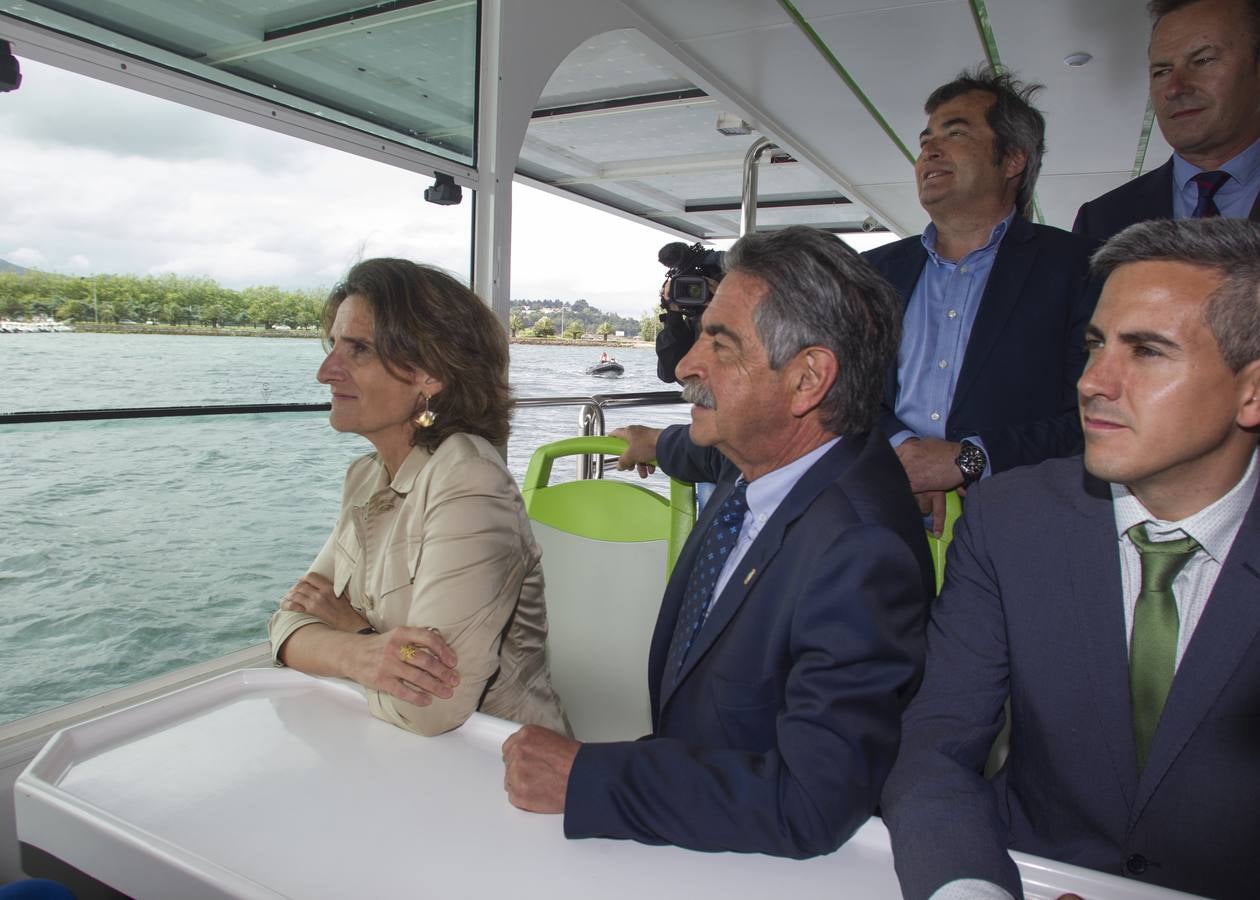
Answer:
(244, 331)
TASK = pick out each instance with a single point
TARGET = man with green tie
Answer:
(1115, 600)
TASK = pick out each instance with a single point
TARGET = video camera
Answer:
(691, 269)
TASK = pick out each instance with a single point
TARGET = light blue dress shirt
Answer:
(934, 334)
(765, 495)
(1235, 197)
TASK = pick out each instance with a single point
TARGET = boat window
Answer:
(155, 255)
(404, 70)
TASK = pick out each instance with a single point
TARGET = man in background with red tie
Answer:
(1205, 87)
(790, 635)
(1116, 601)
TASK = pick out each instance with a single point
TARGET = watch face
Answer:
(971, 462)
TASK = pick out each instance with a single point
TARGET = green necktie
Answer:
(1153, 645)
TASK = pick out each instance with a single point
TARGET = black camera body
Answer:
(691, 270)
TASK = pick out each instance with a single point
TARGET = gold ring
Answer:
(407, 652)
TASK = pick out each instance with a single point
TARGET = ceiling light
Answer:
(731, 124)
(1076, 60)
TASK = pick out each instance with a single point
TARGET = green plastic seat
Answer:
(607, 510)
(607, 550)
(938, 545)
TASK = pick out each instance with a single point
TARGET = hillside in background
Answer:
(562, 312)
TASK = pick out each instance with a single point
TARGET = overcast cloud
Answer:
(95, 178)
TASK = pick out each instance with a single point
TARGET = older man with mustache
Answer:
(791, 632)
(1113, 599)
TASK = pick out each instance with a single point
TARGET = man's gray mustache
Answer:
(695, 392)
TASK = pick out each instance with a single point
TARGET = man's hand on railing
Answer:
(641, 450)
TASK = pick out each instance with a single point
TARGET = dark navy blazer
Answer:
(1146, 197)
(778, 734)
(1017, 386)
(1032, 604)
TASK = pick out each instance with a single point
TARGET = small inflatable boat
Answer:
(609, 369)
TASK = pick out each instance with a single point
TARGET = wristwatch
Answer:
(971, 462)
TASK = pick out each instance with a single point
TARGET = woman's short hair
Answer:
(426, 319)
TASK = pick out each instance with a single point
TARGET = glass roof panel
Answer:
(405, 70)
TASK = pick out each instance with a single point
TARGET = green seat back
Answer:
(607, 548)
(938, 545)
(606, 510)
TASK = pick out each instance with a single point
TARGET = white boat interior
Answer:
(645, 108)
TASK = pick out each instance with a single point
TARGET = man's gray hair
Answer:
(1016, 123)
(821, 293)
(1229, 247)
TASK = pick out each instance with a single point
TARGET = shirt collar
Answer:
(408, 472)
(1242, 168)
(767, 492)
(1214, 526)
(995, 237)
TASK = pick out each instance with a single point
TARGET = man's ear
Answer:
(812, 373)
(1015, 162)
(1248, 383)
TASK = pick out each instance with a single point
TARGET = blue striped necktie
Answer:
(716, 546)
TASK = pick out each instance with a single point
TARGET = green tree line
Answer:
(168, 299)
(174, 300)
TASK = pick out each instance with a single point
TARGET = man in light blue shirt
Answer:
(995, 306)
(1205, 88)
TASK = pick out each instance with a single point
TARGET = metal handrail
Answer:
(590, 414)
(591, 417)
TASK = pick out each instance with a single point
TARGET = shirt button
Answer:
(953, 314)
(944, 363)
(1135, 864)
(962, 270)
(368, 602)
(935, 417)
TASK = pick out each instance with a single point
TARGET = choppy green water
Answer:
(130, 548)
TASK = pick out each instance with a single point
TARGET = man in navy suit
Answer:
(1114, 600)
(995, 306)
(1205, 87)
(790, 635)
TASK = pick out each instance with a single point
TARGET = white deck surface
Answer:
(269, 783)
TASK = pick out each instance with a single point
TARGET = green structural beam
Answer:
(821, 46)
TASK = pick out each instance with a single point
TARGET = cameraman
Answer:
(693, 276)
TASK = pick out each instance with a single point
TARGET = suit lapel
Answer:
(1001, 296)
(1096, 599)
(1156, 201)
(751, 569)
(671, 603)
(1228, 628)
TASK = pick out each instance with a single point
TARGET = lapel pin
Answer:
(749, 576)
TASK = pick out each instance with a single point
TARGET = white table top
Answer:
(268, 783)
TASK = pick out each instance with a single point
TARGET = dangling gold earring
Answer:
(426, 417)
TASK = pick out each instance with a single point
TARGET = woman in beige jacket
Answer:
(429, 592)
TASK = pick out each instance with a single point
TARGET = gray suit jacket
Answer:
(1032, 606)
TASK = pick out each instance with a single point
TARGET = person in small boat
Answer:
(432, 563)
(603, 357)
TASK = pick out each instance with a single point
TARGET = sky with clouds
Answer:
(95, 178)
